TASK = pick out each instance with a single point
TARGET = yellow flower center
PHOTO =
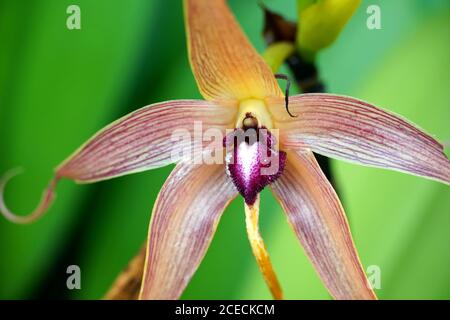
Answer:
(257, 109)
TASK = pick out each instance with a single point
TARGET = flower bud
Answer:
(320, 22)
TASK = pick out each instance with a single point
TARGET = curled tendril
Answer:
(286, 91)
(46, 200)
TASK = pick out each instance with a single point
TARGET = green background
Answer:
(59, 86)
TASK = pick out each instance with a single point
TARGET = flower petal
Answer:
(353, 130)
(46, 200)
(146, 139)
(150, 137)
(319, 221)
(184, 220)
(225, 64)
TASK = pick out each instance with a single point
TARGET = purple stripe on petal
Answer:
(183, 222)
(318, 219)
(353, 130)
(144, 139)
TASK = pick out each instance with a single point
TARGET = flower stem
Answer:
(277, 53)
(259, 249)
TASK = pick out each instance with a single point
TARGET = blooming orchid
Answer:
(242, 97)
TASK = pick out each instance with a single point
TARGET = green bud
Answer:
(320, 22)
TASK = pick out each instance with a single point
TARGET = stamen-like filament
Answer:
(259, 249)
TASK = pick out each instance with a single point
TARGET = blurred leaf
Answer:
(58, 87)
(399, 233)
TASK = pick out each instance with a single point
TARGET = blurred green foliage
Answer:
(59, 86)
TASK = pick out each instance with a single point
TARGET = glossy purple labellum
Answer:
(252, 163)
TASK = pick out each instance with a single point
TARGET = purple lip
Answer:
(252, 162)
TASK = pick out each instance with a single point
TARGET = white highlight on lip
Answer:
(248, 159)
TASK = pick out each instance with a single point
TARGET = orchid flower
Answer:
(241, 94)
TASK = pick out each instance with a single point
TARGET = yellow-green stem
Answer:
(277, 53)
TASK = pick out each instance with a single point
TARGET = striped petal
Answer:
(184, 220)
(148, 138)
(319, 221)
(225, 64)
(353, 130)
